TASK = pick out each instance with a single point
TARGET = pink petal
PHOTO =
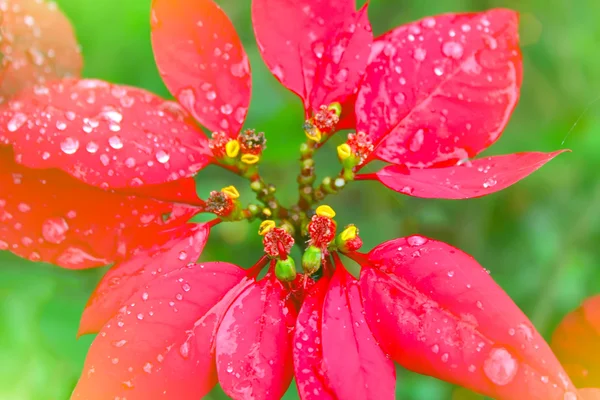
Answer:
(38, 44)
(318, 49)
(201, 60)
(172, 250)
(576, 343)
(588, 394)
(437, 312)
(254, 354)
(472, 179)
(307, 349)
(161, 344)
(356, 367)
(441, 89)
(105, 135)
(46, 215)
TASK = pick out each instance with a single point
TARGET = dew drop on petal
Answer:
(16, 122)
(453, 50)
(416, 240)
(115, 142)
(92, 147)
(162, 156)
(500, 366)
(54, 230)
(69, 145)
(184, 349)
(420, 54)
(226, 109)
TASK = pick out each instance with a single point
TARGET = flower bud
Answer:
(311, 260)
(285, 270)
(348, 241)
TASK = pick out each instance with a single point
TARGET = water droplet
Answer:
(318, 49)
(61, 125)
(211, 95)
(435, 349)
(54, 230)
(342, 75)
(16, 122)
(226, 109)
(420, 54)
(429, 22)
(445, 357)
(416, 240)
(182, 255)
(119, 343)
(490, 182)
(453, 50)
(115, 142)
(399, 98)
(147, 368)
(229, 369)
(439, 71)
(162, 156)
(104, 159)
(130, 162)
(417, 140)
(545, 379)
(186, 287)
(184, 350)
(450, 274)
(500, 366)
(92, 147)
(45, 155)
(69, 145)
(140, 316)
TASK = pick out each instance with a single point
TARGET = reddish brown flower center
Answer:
(278, 243)
(360, 144)
(220, 204)
(217, 144)
(326, 119)
(321, 230)
(252, 142)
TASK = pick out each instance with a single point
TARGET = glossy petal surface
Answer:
(105, 135)
(441, 89)
(202, 61)
(437, 312)
(356, 367)
(317, 49)
(38, 45)
(589, 394)
(172, 250)
(576, 343)
(309, 370)
(472, 179)
(254, 343)
(46, 215)
(161, 344)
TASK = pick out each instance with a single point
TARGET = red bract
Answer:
(437, 312)
(47, 215)
(37, 45)
(317, 49)
(576, 342)
(437, 92)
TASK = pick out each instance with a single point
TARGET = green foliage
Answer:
(539, 238)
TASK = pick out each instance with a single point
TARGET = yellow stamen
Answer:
(314, 134)
(265, 227)
(344, 151)
(232, 148)
(231, 192)
(325, 211)
(337, 107)
(250, 158)
(267, 212)
(349, 233)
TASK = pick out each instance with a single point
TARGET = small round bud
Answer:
(336, 108)
(232, 148)
(285, 270)
(265, 227)
(231, 192)
(325, 211)
(344, 151)
(250, 159)
(311, 260)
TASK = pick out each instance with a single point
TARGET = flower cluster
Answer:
(94, 173)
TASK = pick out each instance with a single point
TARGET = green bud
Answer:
(311, 260)
(285, 270)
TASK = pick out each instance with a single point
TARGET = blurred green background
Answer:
(538, 238)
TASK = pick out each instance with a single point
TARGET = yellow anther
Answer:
(337, 107)
(267, 212)
(349, 233)
(325, 211)
(314, 134)
(265, 227)
(232, 148)
(344, 151)
(231, 192)
(250, 158)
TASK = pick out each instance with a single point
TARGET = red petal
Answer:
(254, 354)
(161, 344)
(576, 343)
(472, 179)
(318, 49)
(438, 312)
(356, 367)
(307, 350)
(173, 249)
(37, 45)
(441, 88)
(106, 135)
(49, 216)
(588, 394)
(201, 59)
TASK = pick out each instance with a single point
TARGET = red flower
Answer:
(438, 92)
